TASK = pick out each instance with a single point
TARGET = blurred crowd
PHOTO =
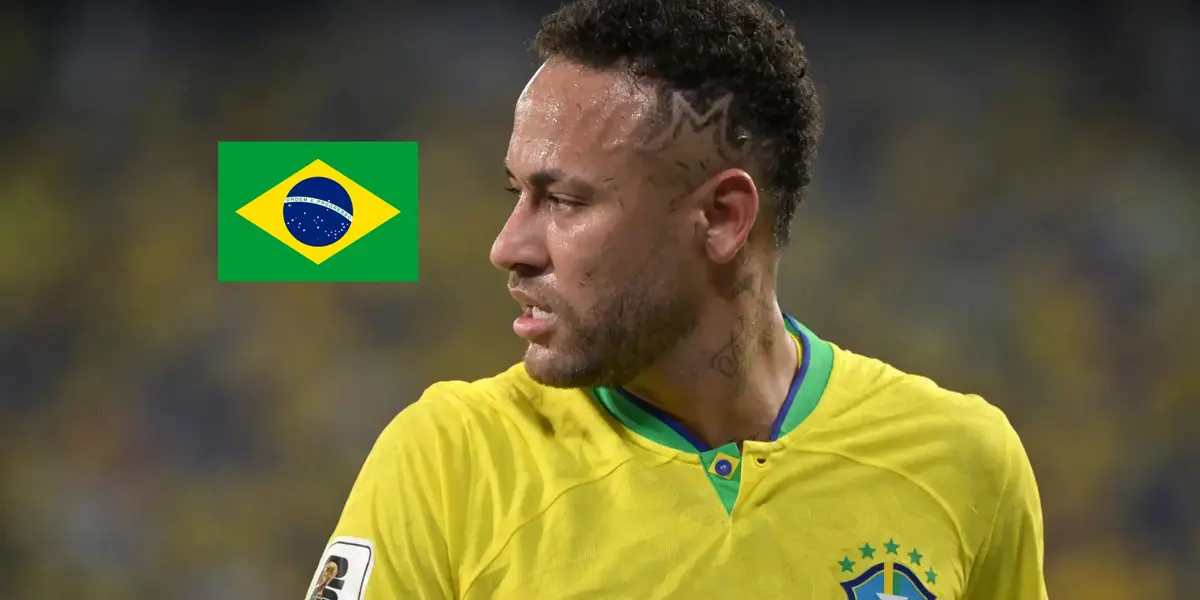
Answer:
(991, 210)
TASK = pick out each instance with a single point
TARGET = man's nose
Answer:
(521, 242)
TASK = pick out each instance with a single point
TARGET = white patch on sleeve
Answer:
(344, 570)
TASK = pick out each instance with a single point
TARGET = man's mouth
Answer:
(536, 312)
(532, 307)
(536, 321)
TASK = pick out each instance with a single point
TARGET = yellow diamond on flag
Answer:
(368, 213)
(724, 465)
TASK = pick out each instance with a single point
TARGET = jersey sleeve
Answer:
(1010, 563)
(390, 542)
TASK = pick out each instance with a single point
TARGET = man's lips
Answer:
(527, 300)
(536, 319)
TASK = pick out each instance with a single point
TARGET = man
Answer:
(671, 433)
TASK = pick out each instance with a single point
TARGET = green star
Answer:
(867, 551)
(930, 576)
(915, 557)
(847, 565)
(892, 547)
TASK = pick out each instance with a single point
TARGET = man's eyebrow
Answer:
(547, 177)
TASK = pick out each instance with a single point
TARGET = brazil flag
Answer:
(317, 211)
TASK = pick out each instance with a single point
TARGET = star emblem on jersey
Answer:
(895, 575)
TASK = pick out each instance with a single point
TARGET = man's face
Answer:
(607, 270)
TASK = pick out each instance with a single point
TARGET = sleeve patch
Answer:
(344, 570)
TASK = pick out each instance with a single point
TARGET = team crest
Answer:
(892, 575)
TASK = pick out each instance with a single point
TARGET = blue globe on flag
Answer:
(318, 211)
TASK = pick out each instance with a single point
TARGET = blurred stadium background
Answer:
(1008, 201)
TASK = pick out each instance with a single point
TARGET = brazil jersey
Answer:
(876, 485)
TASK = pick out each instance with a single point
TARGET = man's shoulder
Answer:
(490, 439)
(916, 408)
(497, 407)
(875, 385)
(958, 448)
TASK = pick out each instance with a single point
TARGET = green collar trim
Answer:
(644, 419)
(805, 393)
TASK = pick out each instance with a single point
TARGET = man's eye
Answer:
(561, 202)
(513, 190)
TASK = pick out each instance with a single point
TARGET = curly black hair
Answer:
(709, 49)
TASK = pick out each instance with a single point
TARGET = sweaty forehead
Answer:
(573, 118)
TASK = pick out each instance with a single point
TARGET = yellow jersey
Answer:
(877, 485)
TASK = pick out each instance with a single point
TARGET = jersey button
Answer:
(724, 468)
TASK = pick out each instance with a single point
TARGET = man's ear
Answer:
(730, 207)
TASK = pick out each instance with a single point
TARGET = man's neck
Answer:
(728, 380)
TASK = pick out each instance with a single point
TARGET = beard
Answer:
(617, 339)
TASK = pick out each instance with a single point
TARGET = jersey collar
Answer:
(654, 424)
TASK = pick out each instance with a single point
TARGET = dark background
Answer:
(1006, 201)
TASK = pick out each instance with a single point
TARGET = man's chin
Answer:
(552, 368)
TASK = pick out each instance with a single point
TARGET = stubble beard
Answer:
(618, 339)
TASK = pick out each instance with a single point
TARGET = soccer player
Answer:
(671, 432)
